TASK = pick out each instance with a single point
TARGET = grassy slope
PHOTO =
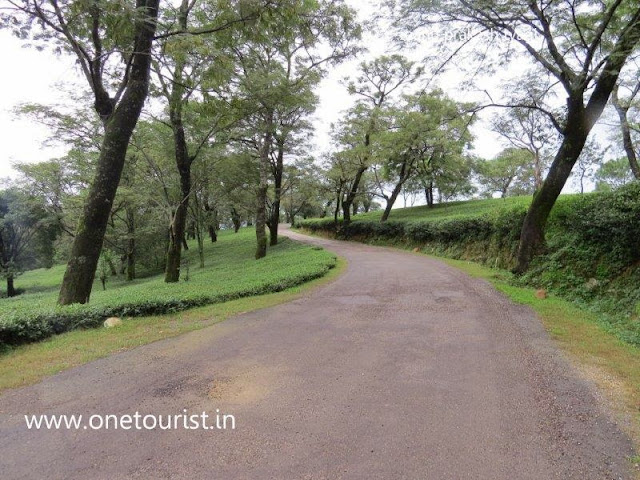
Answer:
(230, 271)
(449, 211)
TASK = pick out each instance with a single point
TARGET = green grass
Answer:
(28, 364)
(452, 210)
(230, 272)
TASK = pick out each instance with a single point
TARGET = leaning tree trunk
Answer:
(390, 202)
(351, 195)
(261, 197)
(277, 197)
(532, 234)
(627, 142)
(405, 172)
(81, 268)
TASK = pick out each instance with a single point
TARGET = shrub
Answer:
(231, 273)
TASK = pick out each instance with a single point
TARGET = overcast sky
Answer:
(35, 77)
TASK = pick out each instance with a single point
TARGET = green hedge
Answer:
(230, 272)
(26, 328)
(494, 236)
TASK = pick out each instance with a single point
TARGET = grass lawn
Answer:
(230, 272)
(451, 210)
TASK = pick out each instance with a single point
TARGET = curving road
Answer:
(403, 368)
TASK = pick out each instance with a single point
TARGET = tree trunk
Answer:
(236, 220)
(178, 223)
(11, 291)
(390, 201)
(627, 142)
(261, 205)
(81, 268)
(532, 234)
(275, 208)
(428, 193)
(351, 195)
(200, 238)
(131, 244)
(405, 172)
(213, 223)
(177, 229)
(174, 251)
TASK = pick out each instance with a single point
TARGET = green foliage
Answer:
(594, 257)
(27, 232)
(231, 273)
(513, 167)
(613, 174)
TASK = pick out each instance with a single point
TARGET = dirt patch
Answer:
(246, 388)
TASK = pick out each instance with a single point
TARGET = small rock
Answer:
(592, 283)
(112, 322)
(541, 294)
(416, 250)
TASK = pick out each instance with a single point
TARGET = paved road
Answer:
(403, 368)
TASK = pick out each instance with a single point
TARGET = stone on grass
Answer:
(112, 322)
(541, 294)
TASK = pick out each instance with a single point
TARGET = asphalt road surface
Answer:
(402, 368)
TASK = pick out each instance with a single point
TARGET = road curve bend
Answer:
(402, 368)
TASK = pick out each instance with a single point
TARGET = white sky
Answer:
(36, 76)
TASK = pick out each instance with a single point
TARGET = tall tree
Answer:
(25, 227)
(184, 68)
(627, 106)
(582, 45)
(109, 39)
(277, 66)
(374, 86)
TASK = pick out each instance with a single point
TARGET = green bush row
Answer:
(498, 232)
(22, 327)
